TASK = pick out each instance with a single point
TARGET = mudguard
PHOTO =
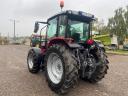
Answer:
(36, 50)
(38, 53)
(67, 42)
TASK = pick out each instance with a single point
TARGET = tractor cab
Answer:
(70, 24)
(75, 25)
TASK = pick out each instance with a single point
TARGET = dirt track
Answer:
(15, 80)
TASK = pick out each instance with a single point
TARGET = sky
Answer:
(26, 12)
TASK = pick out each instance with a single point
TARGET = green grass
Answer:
(121, 51)
(117, 52)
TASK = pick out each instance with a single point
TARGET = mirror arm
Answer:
(43, 22)
(42, 28)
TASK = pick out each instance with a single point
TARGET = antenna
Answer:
(61, 4)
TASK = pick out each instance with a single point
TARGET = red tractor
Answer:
(68, 53)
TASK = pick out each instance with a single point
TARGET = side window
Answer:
(52, 28)
(62, 25)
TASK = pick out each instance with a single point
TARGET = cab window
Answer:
(62, 25)
(52, 28)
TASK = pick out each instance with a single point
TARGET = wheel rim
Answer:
(30, 61)
(54, 68)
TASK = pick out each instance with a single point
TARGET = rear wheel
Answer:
(61, 69)
(101, 70)
(99, 73)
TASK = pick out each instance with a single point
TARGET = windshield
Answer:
(78, 30)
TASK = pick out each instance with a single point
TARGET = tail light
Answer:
(90, 41)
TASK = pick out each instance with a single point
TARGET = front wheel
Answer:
(61, 69)
(33, 61)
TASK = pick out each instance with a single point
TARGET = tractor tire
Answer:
(33, 61)
(60, 80)
(101, 70)
(99, 73)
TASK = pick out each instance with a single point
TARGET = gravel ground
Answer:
(15, 80)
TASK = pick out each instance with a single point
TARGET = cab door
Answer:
(52, 28)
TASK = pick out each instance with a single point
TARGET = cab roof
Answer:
(77, 15)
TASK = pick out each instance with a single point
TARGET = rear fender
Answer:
(65, 41)
(57, 41)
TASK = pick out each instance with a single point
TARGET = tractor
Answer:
(35, 40)
(68, 52)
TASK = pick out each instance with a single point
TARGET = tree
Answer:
(117, 25)
(126, 20)
(100, 27)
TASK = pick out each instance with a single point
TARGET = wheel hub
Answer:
(30, 61)
(54, 68)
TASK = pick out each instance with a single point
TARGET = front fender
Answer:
(38, 53)
(36, 50)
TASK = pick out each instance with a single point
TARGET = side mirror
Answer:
(36, 28)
